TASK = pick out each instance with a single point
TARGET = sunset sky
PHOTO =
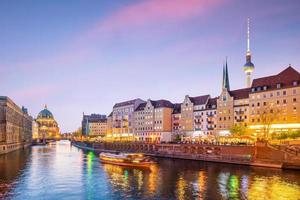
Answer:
(83, 56)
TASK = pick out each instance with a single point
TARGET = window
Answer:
(295, 83)
(265, 87)
(278, 93)
(294, 91)
(258, 104)
(284, 92)
(284, 101)
(278, 101)
(278, 85)
(253, 89)
(258, 89)
(294, 100)
(265, 103)
(271, 94)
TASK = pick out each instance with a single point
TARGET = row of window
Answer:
(278, 86)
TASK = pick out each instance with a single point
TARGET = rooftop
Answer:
(199, 100)
(285, 78)
(240, 93)
(126, 103)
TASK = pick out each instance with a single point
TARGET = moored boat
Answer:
(126, 159)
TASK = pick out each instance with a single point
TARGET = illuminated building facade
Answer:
(15, 126)
(35, 130)
(274, 102)
(97, 128)
(153, 121)
(195, 117)
(94, 125)
(122, 116)
(48, 127)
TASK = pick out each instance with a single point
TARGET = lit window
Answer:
(295, 83)
(278, 85)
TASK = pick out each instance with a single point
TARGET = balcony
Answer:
(240, 112)
(210, 114)
(210, 122)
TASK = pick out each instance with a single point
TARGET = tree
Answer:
(268, 114)
(78, 132)
(239, 130)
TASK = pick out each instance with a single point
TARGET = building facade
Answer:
(274, 103)
(194, 118)
(94, 124)
(97, 128)
(123, 118)
(153, 121)
(15, 126)
(48, 127)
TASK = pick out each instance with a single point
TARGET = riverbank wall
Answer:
(7, 148)
(260, 155)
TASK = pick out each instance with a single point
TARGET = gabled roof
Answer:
(240, 93)
(285, 78)
(125, 103)
(199, 100)
(162, 103)
(141, 107)
(211, 102)
(177, 108)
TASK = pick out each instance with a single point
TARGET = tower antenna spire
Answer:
(249, 66)
(248, 35)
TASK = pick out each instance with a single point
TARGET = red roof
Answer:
(240, 94)
(285, 78)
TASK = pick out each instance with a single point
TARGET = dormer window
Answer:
(265, 87)
(278, 85)
(253, 89)
(295, 83)
(258, 89)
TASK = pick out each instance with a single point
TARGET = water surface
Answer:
(61, 171)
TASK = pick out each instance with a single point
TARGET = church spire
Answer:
(225, 83)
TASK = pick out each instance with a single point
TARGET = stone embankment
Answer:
(261, 154)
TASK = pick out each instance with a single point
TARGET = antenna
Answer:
(248, 35)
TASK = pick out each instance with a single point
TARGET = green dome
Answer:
(45, 113)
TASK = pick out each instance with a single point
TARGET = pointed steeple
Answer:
(45, 106)
(225, 83)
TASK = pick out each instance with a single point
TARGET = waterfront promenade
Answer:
(260, 154)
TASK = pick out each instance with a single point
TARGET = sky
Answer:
(84, 56)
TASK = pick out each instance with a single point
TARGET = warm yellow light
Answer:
(277, 126)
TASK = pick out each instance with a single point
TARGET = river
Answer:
(60, 171)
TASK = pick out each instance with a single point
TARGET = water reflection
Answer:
(64, 172)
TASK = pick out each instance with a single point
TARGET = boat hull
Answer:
(142, 165)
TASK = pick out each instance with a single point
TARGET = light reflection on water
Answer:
(60, 171)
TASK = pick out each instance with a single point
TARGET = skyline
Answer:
(117, 44)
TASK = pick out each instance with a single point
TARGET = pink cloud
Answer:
(131, 17)
(34, 93)
(154, 11)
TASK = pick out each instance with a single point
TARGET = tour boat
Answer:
(126, 159)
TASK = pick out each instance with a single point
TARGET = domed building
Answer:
(47, 126)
